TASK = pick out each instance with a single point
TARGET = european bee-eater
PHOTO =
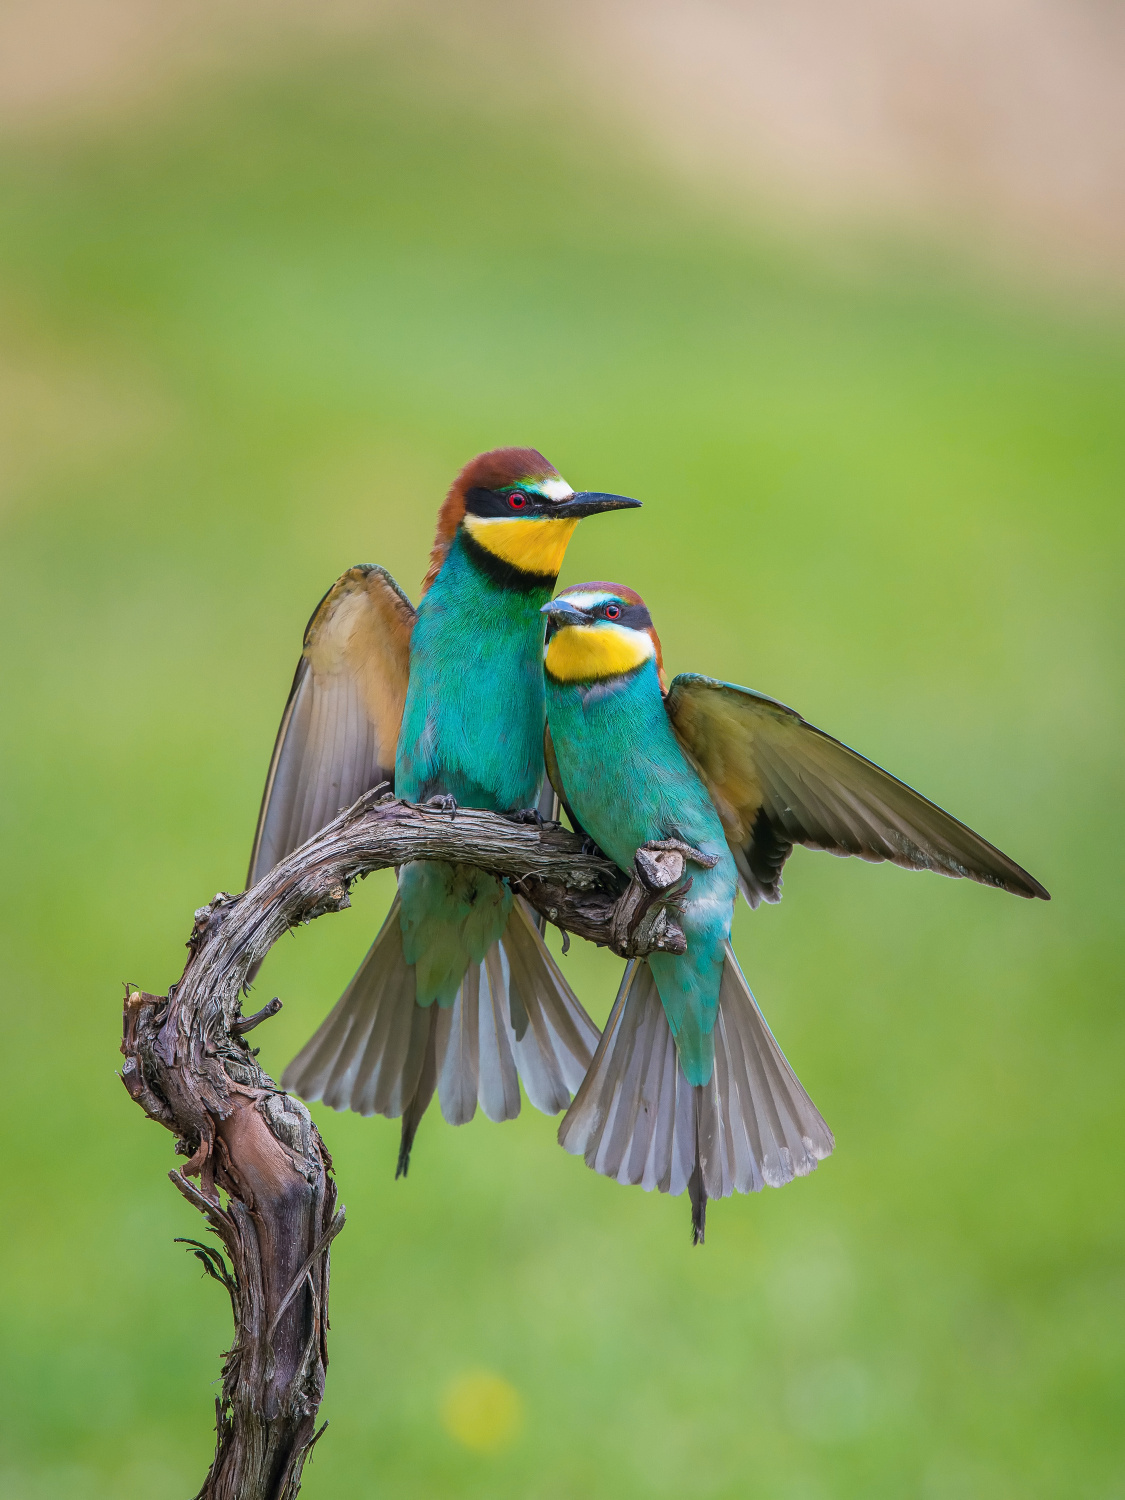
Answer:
(458, 991)
(688, 1088)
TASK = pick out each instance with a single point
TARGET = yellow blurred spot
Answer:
(482, 1411)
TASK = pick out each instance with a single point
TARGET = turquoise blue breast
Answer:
(624, 772)
(472, 729)
(629, 782)
(473, 723)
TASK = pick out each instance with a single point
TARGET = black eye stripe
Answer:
(490, 503)
(632, 616)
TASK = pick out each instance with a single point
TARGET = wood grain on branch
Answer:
(257, 1169)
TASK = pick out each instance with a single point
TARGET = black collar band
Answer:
(505, 574)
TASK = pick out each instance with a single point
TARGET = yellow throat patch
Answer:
(586, 653)
(532, 545)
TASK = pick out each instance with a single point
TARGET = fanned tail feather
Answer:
(420, 1099)
(697, 1195)
(514, 1017)
(766, 1129)
(553, 1037)
(637, 1119)
(367, 1054)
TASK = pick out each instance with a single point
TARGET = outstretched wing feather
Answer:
(340, 727)
(777, 781)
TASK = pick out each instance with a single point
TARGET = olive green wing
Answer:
(341, 724)
(776, 781)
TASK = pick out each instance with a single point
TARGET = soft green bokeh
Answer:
(250, 335)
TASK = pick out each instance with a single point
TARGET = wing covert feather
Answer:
(341, 724)
(777, 781)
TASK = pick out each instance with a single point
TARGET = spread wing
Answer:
(340, 727)
(776, 781)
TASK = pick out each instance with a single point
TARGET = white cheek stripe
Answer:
(586, 598)
(555, 489)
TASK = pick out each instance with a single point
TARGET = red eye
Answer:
(517, 501)
(612, 612)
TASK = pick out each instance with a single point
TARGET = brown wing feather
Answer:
(340, 727)
(776, 781)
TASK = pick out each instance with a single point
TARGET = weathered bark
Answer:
(264, 1177)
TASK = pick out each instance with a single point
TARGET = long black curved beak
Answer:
(591, 502)
(561, 613)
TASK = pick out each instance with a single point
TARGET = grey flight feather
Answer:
(367, 1054)
(637, 1119)
(341, 723)
(514, 1017)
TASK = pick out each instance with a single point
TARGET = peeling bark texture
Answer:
(257, 1169)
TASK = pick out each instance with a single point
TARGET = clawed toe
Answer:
(444, 803)
(529, 815)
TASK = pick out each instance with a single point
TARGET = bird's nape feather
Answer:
(491, 470)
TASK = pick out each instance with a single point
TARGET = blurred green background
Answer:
(251, 328)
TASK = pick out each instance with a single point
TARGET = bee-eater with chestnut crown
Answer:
(458, 991)
(688, 1088)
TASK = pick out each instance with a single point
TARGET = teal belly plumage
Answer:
(472, 730)
(615, 738)
(450, 917)
(473, 724)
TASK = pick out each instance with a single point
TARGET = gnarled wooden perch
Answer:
(264, 1178)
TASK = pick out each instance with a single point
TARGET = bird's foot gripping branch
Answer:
(257, 1169)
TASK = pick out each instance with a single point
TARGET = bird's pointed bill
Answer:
(593, 502)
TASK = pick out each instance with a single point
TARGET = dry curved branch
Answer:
(264, 1177)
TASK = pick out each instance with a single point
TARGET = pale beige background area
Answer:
(997, 121)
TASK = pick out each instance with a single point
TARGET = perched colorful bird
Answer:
(688, 1088)
(458, 991)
